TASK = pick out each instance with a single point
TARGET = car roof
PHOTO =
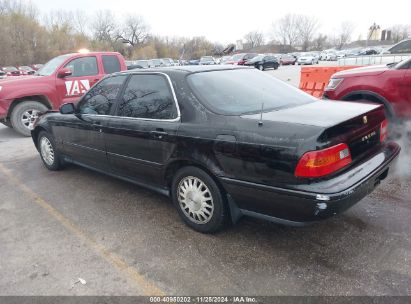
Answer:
(187, 69)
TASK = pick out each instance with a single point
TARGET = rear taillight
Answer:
(384, 130)
(323, 162)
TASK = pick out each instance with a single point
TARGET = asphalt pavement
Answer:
(77, 232)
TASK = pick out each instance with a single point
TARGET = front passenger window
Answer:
(99, 100)
(85, 66)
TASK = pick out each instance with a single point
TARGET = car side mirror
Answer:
(64, 72)
(68, 108)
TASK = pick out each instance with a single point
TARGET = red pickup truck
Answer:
(63, 79)
(389, 85)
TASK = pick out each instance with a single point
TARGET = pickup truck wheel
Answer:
(24, 114)
(199, 200)
(48, 152)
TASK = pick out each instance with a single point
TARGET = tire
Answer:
(24, 114)
(213, 210)
(276, 67)
(261, 67)
(48, 152)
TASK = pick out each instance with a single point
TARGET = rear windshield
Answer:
(237, 57)
(243, 91)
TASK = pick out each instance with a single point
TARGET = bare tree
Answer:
(135, 31)
(307, 27)
(320, 43)
(400, 32)
(286, 30)
(254, 38)
(103, 27)
(344, 34)
(80, 22)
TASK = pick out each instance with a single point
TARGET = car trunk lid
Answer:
(353, 123)
(361, 133)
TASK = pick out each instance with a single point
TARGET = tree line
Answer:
(27, 37)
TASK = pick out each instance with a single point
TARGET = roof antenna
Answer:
(260, 123)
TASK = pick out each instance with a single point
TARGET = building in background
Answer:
(374, 32)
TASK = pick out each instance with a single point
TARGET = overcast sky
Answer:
(228, 20)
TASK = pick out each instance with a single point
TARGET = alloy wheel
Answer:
(29, 117)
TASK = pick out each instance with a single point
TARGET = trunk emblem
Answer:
(364, 120)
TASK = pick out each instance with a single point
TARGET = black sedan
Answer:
(263, 62)
(223, 142)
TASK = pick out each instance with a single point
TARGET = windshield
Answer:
(235, 92)
(143, 63)
(237, 57)
(51, 66)
(257, 58)
(405, 64)
(206, 59)
(9, 69)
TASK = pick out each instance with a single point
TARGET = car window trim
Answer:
(177, 119)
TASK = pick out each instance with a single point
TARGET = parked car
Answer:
(37, 66)
(263, 62)
(134, 66)
(143, 63)
(212, 138)
(368, 51)
(11, 71)
(307, 58)
(26, 70)
(388, 85)
(224, 59)
(207, 60)
(2, 74)
(63, 79)
(323, 55)
(155, 63)
(194, 62)
(129, 63)
(168, 61)
(287, 59)
(331, 56)
(402, 47)
(240, 59)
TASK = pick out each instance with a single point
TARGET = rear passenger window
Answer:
(111, 64)
(147, 96)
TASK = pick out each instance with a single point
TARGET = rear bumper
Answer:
(315, 201)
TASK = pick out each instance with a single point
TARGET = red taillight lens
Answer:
(384, 130)
(323, 162)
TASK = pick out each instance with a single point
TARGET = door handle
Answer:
(159, 134)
